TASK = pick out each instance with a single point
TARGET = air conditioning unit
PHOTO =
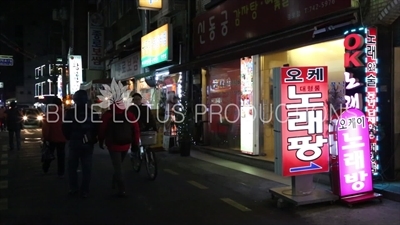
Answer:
(163, 20)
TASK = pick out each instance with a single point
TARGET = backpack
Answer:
(119, 131)
(84, 130)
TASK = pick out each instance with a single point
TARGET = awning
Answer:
(304, 35)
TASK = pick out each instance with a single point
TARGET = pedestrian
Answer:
(2, 119)
(53, 135)
(14, 125)
(119, 131)
(80, 129)
(143, 113)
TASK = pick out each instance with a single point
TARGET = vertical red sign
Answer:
(360, 60)
(304, 114)
(371, 78)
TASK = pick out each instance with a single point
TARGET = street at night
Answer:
(187, 191)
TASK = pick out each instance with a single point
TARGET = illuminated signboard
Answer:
(361, 64)
(304, 112)
(246, 105)
(150, 4)
(157, 46)
(75, 73)
(354, 153)
(59, 87)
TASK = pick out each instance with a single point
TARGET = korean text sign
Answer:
(361, 63)
(75, 73)
(238, 20)
(156, 46)
(304, 112)
(354, 154)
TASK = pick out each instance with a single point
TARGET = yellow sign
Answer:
(150, 4)
(156, 46)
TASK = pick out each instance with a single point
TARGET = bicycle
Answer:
(146, 139)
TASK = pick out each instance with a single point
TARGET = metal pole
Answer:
(145, 25)
(64, 61)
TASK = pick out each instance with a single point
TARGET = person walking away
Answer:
(119, 130)
(52, 133)
(2, 118)
(143, 114)
(80, 129)
(14, 125)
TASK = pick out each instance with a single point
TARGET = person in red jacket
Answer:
(109, 134)
(52, 133)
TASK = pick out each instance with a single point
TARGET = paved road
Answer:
(187, 191)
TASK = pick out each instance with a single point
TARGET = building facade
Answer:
(236, 47)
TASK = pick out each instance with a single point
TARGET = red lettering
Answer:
(353, 44)
(357, 44)
(352, 59)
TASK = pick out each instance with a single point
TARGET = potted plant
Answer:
(184, 123)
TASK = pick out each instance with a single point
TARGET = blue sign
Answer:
(312, 166)
(6, 61)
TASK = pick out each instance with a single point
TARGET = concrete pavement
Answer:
(188, 190)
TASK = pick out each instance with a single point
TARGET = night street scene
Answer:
(200, 112)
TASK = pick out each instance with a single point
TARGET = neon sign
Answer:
(354, 153)
(360, 61)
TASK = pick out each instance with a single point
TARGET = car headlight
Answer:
(24, 117)
(40, 117)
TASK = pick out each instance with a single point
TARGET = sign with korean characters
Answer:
(235, 21)
(6, 60)
(354, 153)
(304, 115)
(95, 41)
(126, 68)
(157, 46)
(75, 73)
(361, 64)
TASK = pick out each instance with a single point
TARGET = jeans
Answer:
(117, 158)
(84, 154)
(11, 138)
(60, 148)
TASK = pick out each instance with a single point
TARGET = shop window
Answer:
(223, 102)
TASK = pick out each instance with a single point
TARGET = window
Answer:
(37, 73)
(36, 89)
(42, 88)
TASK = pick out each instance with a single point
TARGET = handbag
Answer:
(47, 155)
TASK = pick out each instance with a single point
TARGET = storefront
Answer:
(159, 88)
(237, 66)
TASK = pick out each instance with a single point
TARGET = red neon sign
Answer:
(304, 113)
(354, 47)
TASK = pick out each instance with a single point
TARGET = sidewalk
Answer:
(389, 190)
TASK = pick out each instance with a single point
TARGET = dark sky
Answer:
(14, 15)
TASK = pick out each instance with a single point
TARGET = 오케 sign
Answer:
(304, 112)
(157, 46)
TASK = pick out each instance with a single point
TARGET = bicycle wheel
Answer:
(136, 161)
(151, 164)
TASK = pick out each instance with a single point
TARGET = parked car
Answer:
(32, 116)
